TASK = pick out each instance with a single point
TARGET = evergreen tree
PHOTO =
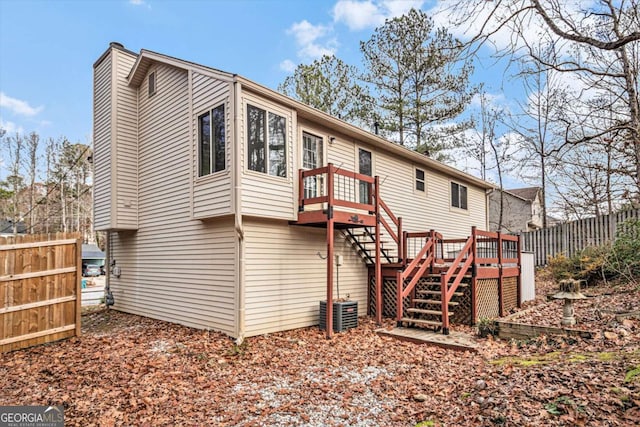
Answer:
(419, 80)
(330, 85)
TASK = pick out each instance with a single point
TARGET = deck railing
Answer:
(460, 257)
(456, 271)
(333, 186)
(392, 224)
(423, 260)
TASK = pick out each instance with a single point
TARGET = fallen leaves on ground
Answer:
(129, 370)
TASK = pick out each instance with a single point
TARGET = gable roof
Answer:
(528, 193)
(91, 251)
(6, 227)
(146, 58)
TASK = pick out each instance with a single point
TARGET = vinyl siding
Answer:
(285, 278)
(174, 268)
(419, 211)
(516, 215)
(264, 195)
(126, 128)
(102, 83)
(115, 142)
(422, 212)
(211, 193)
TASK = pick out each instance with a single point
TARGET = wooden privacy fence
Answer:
(39, 289)
(572, 237)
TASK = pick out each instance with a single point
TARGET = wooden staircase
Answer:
(363, 241)
(430, 272)
(426, 303)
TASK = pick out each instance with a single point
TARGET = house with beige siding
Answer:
(515, 210)
(229, 206)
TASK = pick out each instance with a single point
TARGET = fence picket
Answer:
(572, 237)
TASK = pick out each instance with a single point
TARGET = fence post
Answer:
(78, 286)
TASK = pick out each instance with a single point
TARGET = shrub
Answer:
(624, 257)
(588, 265)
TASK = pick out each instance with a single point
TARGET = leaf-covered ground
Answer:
(128, 370)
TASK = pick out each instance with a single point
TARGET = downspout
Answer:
(237, 209)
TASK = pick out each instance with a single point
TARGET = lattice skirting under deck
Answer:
(487, 298)
(509, 294)
(462, 312)
(388, 297)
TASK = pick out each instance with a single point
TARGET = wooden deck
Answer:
(351, 201)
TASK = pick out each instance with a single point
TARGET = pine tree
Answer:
(419, 80)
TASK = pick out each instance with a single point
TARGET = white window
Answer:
(312, 151)
(365, 167)
(420, 180)
(266, 142)
(458, 195)
(212, 141)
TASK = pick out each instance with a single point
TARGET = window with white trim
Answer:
(212, 141)
(312, 152)
(365, 167)
(420, 180)
(458, 195)
(266, 142)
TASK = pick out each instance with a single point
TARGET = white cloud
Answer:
(11, 127)
(140, 3)
(469, 19)
(287, 66)
(18, 106)
(312, 40)
(493, 99)
(359, 15)
(395, 8)
(305, 32)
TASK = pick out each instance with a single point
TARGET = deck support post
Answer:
(402, 259)
(330, 252)
(519, 280)
(330, 261)
(378, 266)
(474, 277)
(444, 300)
(500, 279)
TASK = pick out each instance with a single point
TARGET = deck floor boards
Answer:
(455, 340)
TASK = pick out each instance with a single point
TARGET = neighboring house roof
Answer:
(91, 251)
(146, 58)
(528, 193)
(6, 227)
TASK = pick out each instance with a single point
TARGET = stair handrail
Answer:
(447, 291)
(424, 259)
(396, 235)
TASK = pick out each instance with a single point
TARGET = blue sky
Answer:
(47, 48)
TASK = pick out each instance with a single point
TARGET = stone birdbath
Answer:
(569, 292)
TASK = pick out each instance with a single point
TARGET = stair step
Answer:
(421, 321)
(432, 301)
(435, 275)
(430, 292)
(423, 311)
(382, 242)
